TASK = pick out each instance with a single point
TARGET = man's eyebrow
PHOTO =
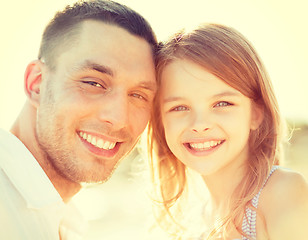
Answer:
(148, 86)
(90, 65)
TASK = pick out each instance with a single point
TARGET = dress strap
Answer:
(250, 218)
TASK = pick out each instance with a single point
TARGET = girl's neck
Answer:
(221, 186)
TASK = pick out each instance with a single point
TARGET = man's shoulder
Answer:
(10, 146)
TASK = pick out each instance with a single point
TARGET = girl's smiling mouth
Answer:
(203, 146)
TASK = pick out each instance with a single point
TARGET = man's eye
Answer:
(223, 104)
(95, 84)
(139, 96)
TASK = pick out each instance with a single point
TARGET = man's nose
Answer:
(114, 110)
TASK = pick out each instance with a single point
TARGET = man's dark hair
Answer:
(65, 25)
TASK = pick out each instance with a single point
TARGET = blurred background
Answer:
(120, 208)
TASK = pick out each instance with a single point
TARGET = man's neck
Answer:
(24, 130)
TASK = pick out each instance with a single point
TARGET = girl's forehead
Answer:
(184, 73)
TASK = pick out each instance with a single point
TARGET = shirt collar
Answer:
(25, 173)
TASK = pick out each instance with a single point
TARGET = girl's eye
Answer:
(223, 104)
(179, 108)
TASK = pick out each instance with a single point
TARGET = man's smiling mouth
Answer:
(97, 142)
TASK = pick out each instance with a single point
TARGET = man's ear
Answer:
(32, 81)
(257, 116)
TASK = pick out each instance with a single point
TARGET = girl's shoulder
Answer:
(285, 182)
(284, 204)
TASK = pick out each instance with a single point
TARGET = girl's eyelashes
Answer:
(223, 104)
(179, 109)
(182, 108)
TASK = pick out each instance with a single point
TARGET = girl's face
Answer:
(207, 122)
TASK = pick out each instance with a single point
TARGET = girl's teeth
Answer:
(204, 145)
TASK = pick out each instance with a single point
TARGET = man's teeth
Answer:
(97, 142)
(204, 145)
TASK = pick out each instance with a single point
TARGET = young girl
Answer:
(215, 112)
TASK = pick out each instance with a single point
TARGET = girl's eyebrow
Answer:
(219, 95)
(172, 99)
(227, 94)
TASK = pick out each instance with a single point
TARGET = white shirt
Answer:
(30, 206)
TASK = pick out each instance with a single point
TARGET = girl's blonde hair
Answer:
(227, 54)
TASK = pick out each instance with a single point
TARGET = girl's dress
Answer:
(250, 219)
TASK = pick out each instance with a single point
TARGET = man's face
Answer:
(96, 103)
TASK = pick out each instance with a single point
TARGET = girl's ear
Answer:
(32, 81)
(257, 116)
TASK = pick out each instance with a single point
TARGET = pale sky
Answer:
(277, 28)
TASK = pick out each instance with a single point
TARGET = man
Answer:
(89, 96)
